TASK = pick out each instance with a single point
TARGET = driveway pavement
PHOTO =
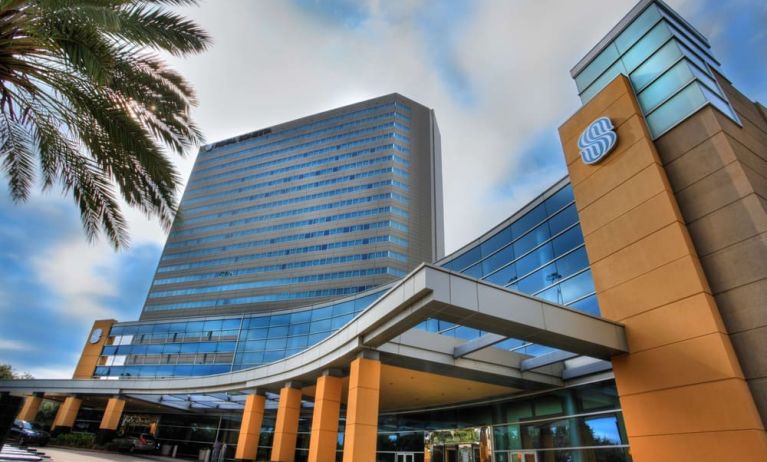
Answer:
(78, 455)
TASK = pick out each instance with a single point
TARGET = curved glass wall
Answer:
(538, 251)
(200, 346)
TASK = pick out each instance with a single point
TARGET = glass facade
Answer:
(330, 198)
(538, 251)
(669, 65)
(195, 347)
(576, 424)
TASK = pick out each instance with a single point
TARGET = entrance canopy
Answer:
(385, 329)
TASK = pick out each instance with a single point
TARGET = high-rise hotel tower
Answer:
(320, 207)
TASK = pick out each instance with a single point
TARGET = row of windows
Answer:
(338, 291)
(668, 68)
(279, 282)
(283, 267)
(170, 348)
(277, 192)
(557, 203)
(541, 247)
(260, 147)
(285, 252)
(237, 163)
(312, 221)
(262, 339)
(162, 371)
(294, 200)
(172, 358)
(230, 326)
(632, 45)
(281, 239)
(208, 156)
(542, 253)
(294, 212)
(203, 192)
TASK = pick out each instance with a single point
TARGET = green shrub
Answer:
(75, 440)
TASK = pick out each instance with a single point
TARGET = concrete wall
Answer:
(718, 172)
(681, 387)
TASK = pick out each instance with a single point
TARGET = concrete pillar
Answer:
(111, 420)
(362, 411)
(67, 413)
(250, 429)
(327, 410)
(31, 407)
(286, 427)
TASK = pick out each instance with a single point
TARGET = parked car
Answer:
(23, 432)
(138, 442)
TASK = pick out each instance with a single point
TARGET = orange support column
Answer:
(286, 426)
(67, 413)
(682, 390)
(362, 411)
(31, 406)
(250, 429)
(327, 410)
(112, 414)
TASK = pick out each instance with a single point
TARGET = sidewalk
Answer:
(84, 455)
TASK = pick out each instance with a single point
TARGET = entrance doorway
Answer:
(461, 445)
(404, 457)
(527, 456)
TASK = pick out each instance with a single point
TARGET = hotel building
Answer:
(619, 316)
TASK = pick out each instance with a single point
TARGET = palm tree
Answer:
(87, 103)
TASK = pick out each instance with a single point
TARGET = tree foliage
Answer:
(87, 103)
(7, 373)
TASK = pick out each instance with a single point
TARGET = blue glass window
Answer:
(647, 46)
(504, 276)
(498, 259)
(533, 238)
(500, 239)
(559, 199)
(655, 65)
(685, 102)
(538, 280)
(540, 256)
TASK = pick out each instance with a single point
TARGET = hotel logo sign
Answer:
(597, 140)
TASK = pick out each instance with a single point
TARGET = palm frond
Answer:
(86, 102)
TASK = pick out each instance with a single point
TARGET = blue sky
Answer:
(496, 73)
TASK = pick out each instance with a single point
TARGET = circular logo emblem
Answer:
(597, 140)
(96, 335)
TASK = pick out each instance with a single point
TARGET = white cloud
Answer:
(63, 372)
(80, 275)
(15, 345)
(273, 62)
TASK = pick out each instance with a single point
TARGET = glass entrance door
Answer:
(528, 456)
(404, 457)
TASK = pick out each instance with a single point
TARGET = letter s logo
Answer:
(597, 140)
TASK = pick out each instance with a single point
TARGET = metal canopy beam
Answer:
(479, 343)
(546, 360)
(586, 369)
(431, 292)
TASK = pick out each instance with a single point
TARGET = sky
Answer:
(495, 72)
